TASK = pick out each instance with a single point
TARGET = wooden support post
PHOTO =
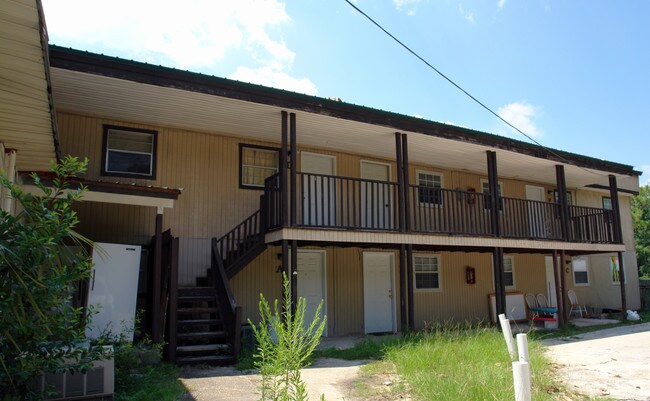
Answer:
(173, 300)
(294, 170)
(621, 277)
(493, 183)
(402, 288)
(499, 288)
(285, 265)
(284, 188)
(294, 276)
(407, 200)
(616, 210)
(156, 315)
(562, 201)
(563, 294)
(557, 271)
(409, 273)
(400, 182)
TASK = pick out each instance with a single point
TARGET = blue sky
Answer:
(571, 74)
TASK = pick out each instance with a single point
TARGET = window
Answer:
(129, 152)
(607, 203)
(509, 271)
(580, 271)
(485, 188)
(614, 268)
(429, 185)
(427, 272)
(257, 163)
(569, 197)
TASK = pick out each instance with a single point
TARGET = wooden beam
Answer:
(563, 294)
(499, 288)
(284, 156)
(285, 266)
(294, 276)
(616, 210)
(407, 181)
(156, 315)
(293, 164)
(402, 288)
(400, 182)
(621, 276)
(409, 279)
(493, 184)
(558, 269)
(561, 194)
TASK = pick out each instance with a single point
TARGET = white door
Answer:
(318, 191)
(375, 196)
(537, 218)
(113, 289)
(311, 282)
(378, 290)
(550, 281)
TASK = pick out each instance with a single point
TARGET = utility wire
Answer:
(408, 49)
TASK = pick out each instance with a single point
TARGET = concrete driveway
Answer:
(613, 362)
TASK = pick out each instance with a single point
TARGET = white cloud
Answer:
(645, 177)
(521, 115)
(408, 6)
(453, 123)
(417, 115)
(276, 77)
(192, 34)
(468, 15)
(501, 3)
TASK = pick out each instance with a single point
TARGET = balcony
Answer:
(346, 203)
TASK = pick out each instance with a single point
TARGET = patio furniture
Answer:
(542, 302)
(531, 301)
(576, 307)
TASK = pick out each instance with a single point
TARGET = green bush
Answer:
(40, 330)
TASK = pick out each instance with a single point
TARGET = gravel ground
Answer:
(612, 362)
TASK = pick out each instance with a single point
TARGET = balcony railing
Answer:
(334, 202)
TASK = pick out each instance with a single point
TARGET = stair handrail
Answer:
(231, 313)
(242, 237)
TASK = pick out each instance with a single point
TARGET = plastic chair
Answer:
(542, 302)
(575, 305)
(531, 301)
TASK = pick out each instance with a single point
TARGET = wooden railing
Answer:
(448, 211)
(241, 239)
(327, 201)
(590, 224)
(230, 313)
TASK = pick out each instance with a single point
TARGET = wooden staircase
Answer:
(207, 318)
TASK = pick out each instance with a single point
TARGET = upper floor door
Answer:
(376, 196)
(318, 189)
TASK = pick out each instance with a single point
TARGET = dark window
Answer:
(427, 272)
(429, 188)
(129, 152)
(508, 271)
(256, 164)
(485, 187)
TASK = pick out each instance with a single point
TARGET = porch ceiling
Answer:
(25, 121)
(121, 99)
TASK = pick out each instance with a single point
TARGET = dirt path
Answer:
(332, 377)
(612, 362)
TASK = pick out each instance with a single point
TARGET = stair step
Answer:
(197, 310)
(199, 290)
(201, 334)
(208, 359)
(199, 321)
(195, 298)
(191, 349)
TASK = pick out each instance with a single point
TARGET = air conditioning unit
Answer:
(97, 384)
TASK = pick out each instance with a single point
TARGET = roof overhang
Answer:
(114, 88)
(27, 122)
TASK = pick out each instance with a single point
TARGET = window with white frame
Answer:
(129, 152)
(614, 268)
(257, 163)
(569, 197)
(580, 268)
(429, 185)
(509, 271)
(426, 269)
(607, 203)
(485, 188)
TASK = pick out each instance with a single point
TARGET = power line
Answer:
(408, 49)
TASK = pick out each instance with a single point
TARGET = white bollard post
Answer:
(522, 347)
(507, 335)
(521, 375)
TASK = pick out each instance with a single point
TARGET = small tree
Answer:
(641, 220)
(284, 344)
(40, 330)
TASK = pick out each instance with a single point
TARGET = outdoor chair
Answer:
(576, 307)
(531, 301)
(542, 302)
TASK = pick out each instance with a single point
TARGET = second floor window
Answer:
(429, 188)
(257, 163)
(129, 152)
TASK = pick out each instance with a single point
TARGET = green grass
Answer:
(149, 383)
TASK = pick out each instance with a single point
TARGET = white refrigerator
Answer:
(112, 290)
